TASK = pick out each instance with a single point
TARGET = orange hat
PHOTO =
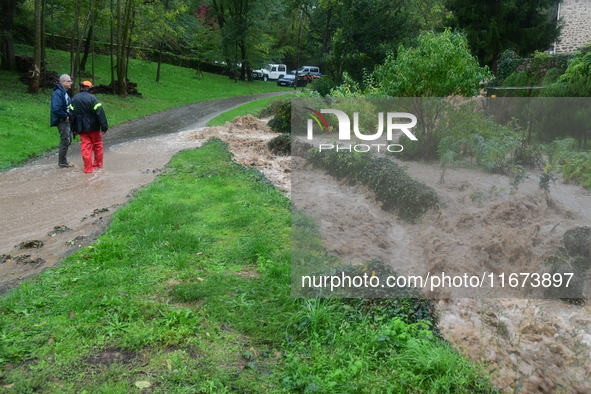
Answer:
(88, 84)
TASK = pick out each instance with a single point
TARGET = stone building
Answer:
(576, 31)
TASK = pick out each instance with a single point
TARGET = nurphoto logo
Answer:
(392, 124)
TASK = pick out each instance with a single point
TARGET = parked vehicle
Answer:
(289, 80)
(270, 71)
(308, 70)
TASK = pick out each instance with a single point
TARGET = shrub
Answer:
(281, 112)
(323, 85)
(559, 150)
(280, 145)
(392, 185)
(578, 74)
(577, 168)
(528, 155)
(517, 79)
(439, 66)
(508, 63)
(552, 76)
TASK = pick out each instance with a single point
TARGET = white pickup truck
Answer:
(270, 71)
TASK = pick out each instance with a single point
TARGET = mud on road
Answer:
(40, 197)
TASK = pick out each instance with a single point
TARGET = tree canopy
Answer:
(439, 66)
(493, 26)
(343, 37)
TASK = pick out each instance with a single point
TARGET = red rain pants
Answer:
(90, 142)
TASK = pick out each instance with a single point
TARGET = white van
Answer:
(308, 70)
(270, 71)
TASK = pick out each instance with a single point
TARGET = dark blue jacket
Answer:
(87, 114)
(60, 101)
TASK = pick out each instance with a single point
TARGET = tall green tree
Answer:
(440, 65)
(35, 71)
(432, 73)
(353, 36)
(367, 31)
(157, 27)
(245, 27)
(7, 13)
(492, 26)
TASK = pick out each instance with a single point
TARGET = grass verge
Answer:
(252, 108)
(188, 291)
(24, 118)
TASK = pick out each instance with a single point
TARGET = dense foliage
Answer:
(281, 112)
(439, 66)
(495, 26)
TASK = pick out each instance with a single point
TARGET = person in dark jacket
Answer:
(90, 122)
(60, 116)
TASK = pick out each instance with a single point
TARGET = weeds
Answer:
(518, 175)
(545, 178)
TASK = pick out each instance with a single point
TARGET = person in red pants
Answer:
(88, 119)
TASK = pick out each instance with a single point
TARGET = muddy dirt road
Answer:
(64, 209)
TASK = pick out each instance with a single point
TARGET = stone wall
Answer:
(576, 18)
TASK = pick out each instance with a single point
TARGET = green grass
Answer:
(189, 291)
(24, 118)
(251, 108)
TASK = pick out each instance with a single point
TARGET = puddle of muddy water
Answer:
(40, 196)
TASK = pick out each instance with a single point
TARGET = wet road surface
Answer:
(39, 196)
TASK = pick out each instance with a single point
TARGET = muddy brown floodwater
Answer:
(527, 345)
(64, 209)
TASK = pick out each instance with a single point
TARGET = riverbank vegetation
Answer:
(504, 131)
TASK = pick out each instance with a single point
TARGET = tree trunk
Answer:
(89, 39)
(161, 49)
(159, 61)
(128, 46)
(35, 71)
(123, 34)
(7, 10)
(92, 61)
(7, 52)
(243, 62)
(111, 50)
(121, 88)
(80, 38)
(73, 65)
(326, 34)
(43, 2)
